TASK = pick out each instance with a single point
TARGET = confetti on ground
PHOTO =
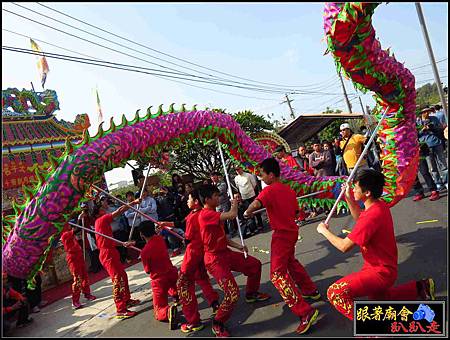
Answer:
(346, 231)
(257, 250)
(429, 221)
(300, 238)
(276, 305)
(103, 315)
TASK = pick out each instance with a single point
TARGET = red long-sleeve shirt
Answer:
(11, 294)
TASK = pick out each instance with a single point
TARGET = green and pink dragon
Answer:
(350, 38)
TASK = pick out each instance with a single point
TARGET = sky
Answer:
(271, 43)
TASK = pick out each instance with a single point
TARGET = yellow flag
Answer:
(41, 64)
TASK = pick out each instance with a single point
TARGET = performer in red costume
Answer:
(286, 272)
(374, 234)
(77, 267)
(220, 260)
(110, 260)
(193, 270)
(163, 274)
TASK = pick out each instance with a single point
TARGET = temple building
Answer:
(30, 134)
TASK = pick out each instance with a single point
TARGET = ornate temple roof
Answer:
(28, 118)
(30, 134)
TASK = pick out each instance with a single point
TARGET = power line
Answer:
(175, 81)
(323, 103)
(92, 42)
(266, 107)
(105, 61)
(127, 67)
(425, 65)
(425, 80)
(46, 42)
(50, 55)
(260, 89)
(171, 56)
(127, 47)
(429, 72)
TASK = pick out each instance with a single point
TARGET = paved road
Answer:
(422, 253)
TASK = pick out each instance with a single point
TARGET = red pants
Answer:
(161, 289)
(110, 260)
(367, 282)
(80, 277)
(220, 267)
(193, 271)
(287, 274)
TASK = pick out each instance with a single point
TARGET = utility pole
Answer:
(288, 101)
(432, 60)
(349, 106)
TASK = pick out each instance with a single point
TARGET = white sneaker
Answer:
(35, 309)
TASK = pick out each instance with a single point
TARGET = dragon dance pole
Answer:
(140, 196)
(84, 242)
(138, 211)
(105, 236)
(230, 192)
(352, 174)
(298, 198)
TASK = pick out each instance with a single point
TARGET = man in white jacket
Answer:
(247, 186)
(148, 206)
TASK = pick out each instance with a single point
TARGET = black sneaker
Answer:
(172, 316)
(257, 297)
(313, 296)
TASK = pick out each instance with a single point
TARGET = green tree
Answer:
(427, 95)
(251, 122)
(330, 132)
(199, 158)
(124, 190)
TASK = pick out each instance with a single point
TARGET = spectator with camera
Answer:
(430, 130)
(424, 151)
